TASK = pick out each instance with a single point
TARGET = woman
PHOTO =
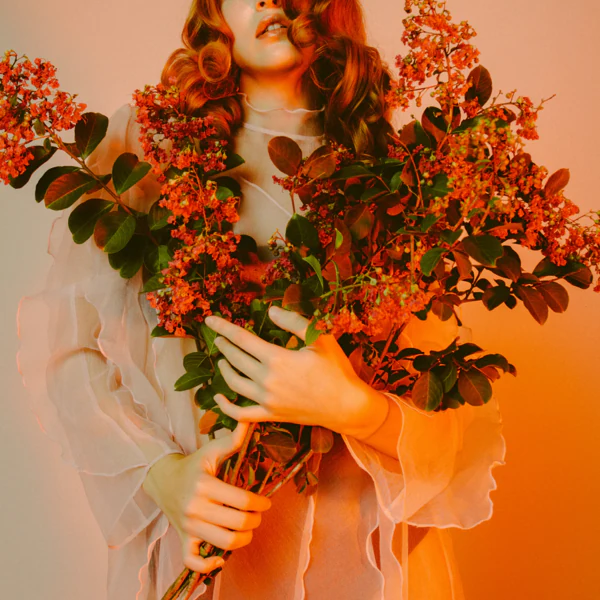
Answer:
(376, 527)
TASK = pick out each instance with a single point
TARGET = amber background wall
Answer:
(542, 540)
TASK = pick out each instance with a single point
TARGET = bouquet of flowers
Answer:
(428, 227)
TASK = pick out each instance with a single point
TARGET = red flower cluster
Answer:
(30, 103)
(181, 148)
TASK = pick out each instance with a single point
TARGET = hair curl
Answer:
(346, 75)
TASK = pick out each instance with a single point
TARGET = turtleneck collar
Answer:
(299, 123)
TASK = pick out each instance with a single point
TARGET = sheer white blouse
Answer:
(102, 388)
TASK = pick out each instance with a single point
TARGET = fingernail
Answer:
(219, 562)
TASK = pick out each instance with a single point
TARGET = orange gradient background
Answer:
(541, 542)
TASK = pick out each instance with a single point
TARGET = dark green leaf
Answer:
(494, 296)
(300, 231)
(316, 265)
(154, 283)
(194, 360)
(65, 190)
(127, 171)
(157, 216)
(83, 218)
(41, 155)
(48, 177)
(430, 260)
(192, 379)
(113, 231)
(428, 391)
(474, 387)
(219, 386)
(352, 171)
(493, 360)
(485, 249)
(209, 335)
(205, 398)
(90, 130)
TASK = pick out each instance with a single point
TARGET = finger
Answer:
(238, 383)
(218, 450)
(220, 537)
(244, 414)
(222, 516)
(218, 491)
(193, 561)
(245, 363)
(244, 339)
(289, 320)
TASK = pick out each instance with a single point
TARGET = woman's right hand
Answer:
(202, 507)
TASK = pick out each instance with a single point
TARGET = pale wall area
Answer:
(541, 541)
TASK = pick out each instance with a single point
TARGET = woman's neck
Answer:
(298, 122)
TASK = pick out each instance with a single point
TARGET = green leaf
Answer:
(312, 334)
(219, 386)
(127, 171)
(450, 236)
(352, 171)
(493, 360)
(113, 231)
(48, 177)
(474, 387)
(84, 217)
(439, 189)
(205, 398)
(154, 283)
(278, 447)
(194, 360)
(209, 335)
(428, 391)
(157, 258)
(192, 379)
(65, 190)
(428, 222)
(157, 216)
(90, 130)
(159, 332)
(494, 296)
(130, 259)
(430, 260)
(339, 238)
(41, 155)
(485, 249)
(300, 231)
(316, 265)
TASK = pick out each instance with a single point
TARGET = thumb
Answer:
(219, 450)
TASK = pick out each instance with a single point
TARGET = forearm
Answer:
(384, 427)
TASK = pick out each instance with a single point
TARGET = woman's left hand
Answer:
(315, 385)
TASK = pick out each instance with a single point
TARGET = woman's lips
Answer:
(273, 33)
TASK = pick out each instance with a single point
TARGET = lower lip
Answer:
(273, 33)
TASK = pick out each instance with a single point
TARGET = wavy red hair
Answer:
(346, 75)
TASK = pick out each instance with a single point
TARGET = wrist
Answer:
(372, 413)
(159, 476)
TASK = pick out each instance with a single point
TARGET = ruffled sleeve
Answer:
(443, 473)
(85, 356)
